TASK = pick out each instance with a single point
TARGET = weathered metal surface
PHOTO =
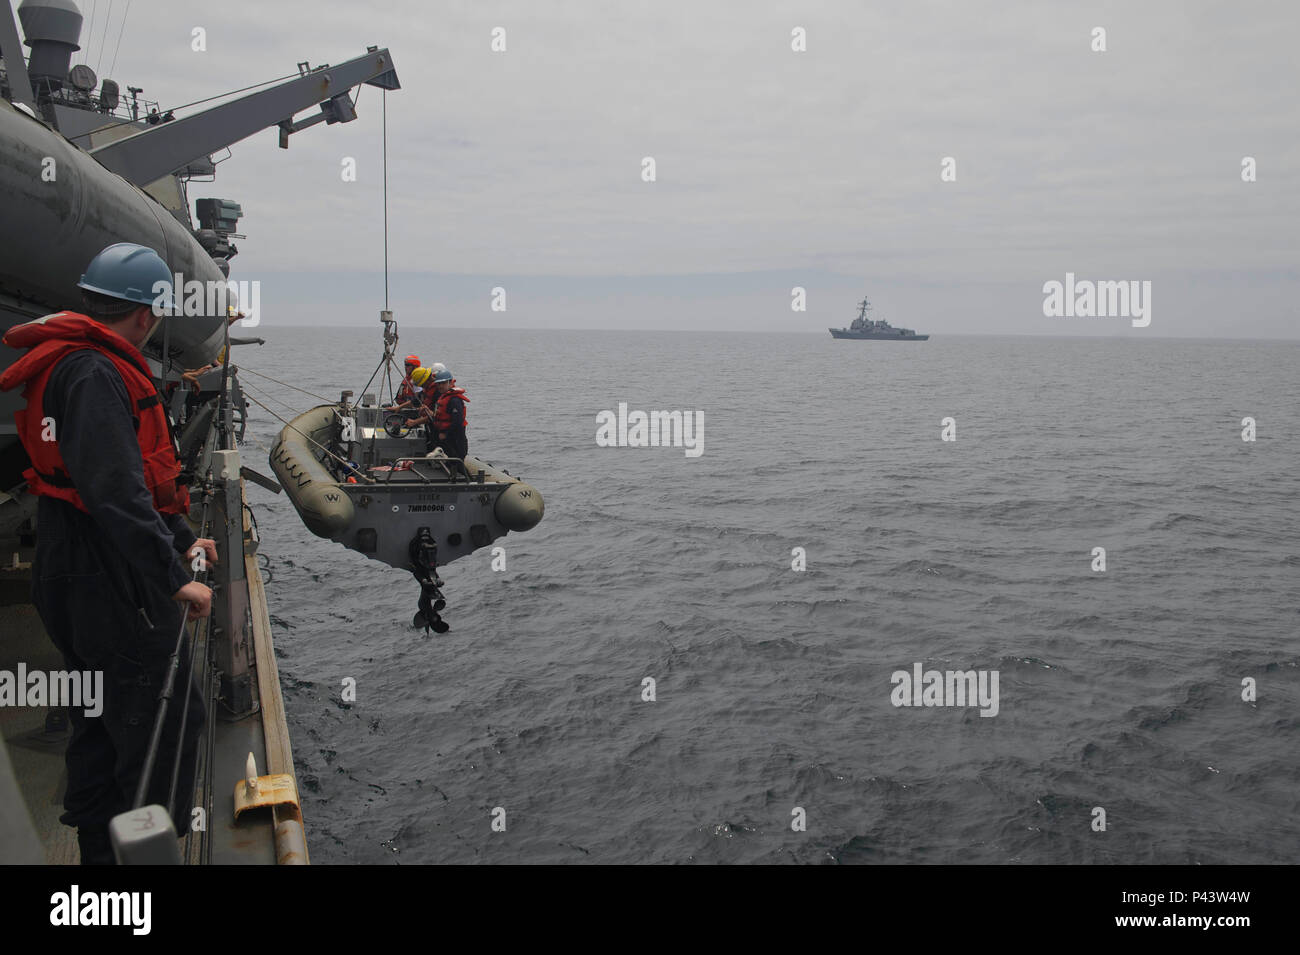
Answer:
(158, 150)
(273, 789)
(85, 209)
(230, 606)
(290, 832)
(12, 48)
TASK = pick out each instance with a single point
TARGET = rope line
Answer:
(287, 385)
(258, 391)
(347, 464)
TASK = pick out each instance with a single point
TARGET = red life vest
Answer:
(49, 340)
(441, 416)
(407, 391)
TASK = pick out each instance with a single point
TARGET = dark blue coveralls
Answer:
(456, 443)
(102, 583)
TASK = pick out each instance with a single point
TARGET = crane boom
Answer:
(161, 149)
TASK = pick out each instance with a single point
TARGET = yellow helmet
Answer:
(420, 375)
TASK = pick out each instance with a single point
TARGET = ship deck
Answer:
(36, 756)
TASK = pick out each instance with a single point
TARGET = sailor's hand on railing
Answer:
(198, 596)
(209, 549)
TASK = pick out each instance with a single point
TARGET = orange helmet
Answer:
(413, 359)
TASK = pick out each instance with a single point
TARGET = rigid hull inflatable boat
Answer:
(357, 476)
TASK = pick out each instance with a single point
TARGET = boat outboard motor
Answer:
(424, 563)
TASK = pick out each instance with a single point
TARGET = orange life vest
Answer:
(49, 340)
(441, 416)
(407, 391)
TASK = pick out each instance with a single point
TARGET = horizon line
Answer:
(767, 331)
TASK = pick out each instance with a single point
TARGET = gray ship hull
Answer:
(894, 336)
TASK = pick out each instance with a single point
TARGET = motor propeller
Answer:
(424, 562)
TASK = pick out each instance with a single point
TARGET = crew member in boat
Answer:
(409, 399)
(112, 576)
(408, 392)
(444, 413)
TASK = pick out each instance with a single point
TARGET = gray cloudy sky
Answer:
(775, 168)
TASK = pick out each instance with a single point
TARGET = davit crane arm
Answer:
(159, 150)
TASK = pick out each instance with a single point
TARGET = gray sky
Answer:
(523, 169)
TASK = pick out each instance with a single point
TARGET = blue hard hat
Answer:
(443, 375)
(129, 272)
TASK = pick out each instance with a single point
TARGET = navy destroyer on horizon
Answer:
(865, 328)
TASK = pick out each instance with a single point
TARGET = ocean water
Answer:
(1120, 690)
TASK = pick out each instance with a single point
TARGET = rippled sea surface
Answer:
(1121, 690)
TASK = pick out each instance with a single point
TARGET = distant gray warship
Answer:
(865, 328)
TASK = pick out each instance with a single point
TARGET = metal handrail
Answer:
(169, 686)
(442, 462)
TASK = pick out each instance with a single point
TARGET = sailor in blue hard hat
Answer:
(127, 272)
(444, 412)
(128, 281)
(111, 577)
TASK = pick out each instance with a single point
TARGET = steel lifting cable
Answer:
(348, 464)
(252, 393)
(258, 391)
(265, 449)
(388, 373)
(386, 360)
(103, 38)
(120, 31)
(385, 127)
(287, 385)
(85, 53)
(197, 102)
(386, 363)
